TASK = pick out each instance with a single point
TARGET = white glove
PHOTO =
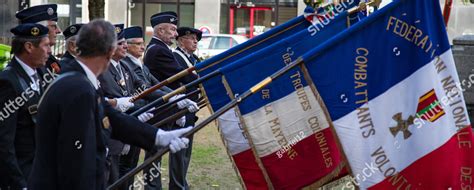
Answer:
(175, 97)
(126, 149)
(181, 121)
(144, 117)
(163, 138)
(123, 104)
(178, 144)
(185, 103)
(192, 106)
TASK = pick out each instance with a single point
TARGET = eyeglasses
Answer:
(122, 43)
(137, 43)
(190, 37)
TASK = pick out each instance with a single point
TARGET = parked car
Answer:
(213, 44)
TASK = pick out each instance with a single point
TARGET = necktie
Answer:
(122, 80)
(192, 59)
(36, 82)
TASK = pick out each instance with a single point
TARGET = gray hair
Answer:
(96, 38)
(70, 39)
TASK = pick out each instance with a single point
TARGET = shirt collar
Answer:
(169, 47)
(134, 60)
(90, 75)
(185, 52)
(114, 63)
(29, 71)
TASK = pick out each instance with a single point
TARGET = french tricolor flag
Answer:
(391, 87)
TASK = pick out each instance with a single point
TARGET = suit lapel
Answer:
(21, 72)
(25, 79)
(114, 72)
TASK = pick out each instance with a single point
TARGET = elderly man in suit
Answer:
(187, 41)
(75, 122)
(160, 59)
(70, 34)
(47, 16)
(134, 36)
(119, 83)
(159, 53)
(20, 89)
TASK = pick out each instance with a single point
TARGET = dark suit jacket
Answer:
(17, 140)
(191, 118)
(73, 131)
(183, 64)
(162, 63)
(52, 64)
(109, 82)
(65, 59)
(143, 73)
(181, 60)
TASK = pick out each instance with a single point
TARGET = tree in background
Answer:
(96, 9)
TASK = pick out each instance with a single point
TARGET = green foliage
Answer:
(4, 55)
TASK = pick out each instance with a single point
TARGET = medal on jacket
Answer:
(122, 82)
(106, 122)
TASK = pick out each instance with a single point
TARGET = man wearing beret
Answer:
(187, 40)
(70, 35)
(135, 49)
(20, 91)
(47, 16)
(160, 59)
(159, 54)
(118, 83)
(75, 122)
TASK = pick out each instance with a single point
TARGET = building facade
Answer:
(243, 17)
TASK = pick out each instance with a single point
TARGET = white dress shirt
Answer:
(90, 75)
(31, 73)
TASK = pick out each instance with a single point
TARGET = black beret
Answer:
(72, 30)
(30, 30)
(119, 31)
(164, 17)
(133, 32)
(38, 13)
(182, 31)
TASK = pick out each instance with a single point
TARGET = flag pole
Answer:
(178, 115)
(179, 90)
(256, 88)
(191, 69)
(163, 83)
(363, 6)
(168, 104)
(345, 162)
(447, 11)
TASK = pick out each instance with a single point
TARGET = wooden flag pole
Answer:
(256, 88)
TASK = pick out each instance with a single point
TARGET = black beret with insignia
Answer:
(182, 31)
(133, 32)
(119, 31)
(38, 13)
(164, 17)
(72, 30)
(30, 30)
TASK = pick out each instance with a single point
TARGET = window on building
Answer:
(186, 12)
(253, 17)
